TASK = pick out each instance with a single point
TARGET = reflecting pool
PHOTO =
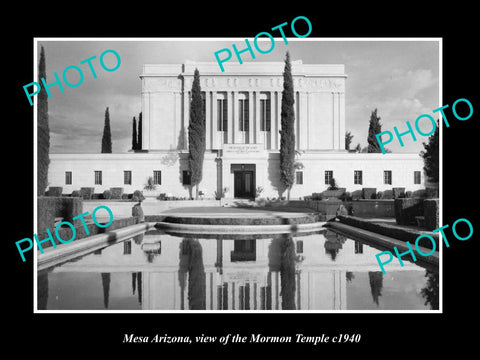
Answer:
(158, 271)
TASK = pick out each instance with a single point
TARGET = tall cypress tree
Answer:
(107, 136)
(287, 133)
(373, 129)
(134, 135)
(139, 139)
(431, 156)
(43, 131)
(196, 133)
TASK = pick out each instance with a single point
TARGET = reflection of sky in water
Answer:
(308, 272)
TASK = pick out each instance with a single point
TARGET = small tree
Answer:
(43, 131)
(107, 136)
(139, 139)
(134, 135)
(196, 134)
(348, 140)
(287, 133)
(373, 129)
(431, 156)
(358, 148)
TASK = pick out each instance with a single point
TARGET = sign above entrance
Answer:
(243, 149)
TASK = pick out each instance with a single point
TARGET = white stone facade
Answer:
(242, 112)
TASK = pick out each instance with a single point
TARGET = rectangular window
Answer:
(265, 115)
(127, 247)
(417, 177)
(186, 177)
(68, 178)
(299, 177)
(358, 247)
(127, 177)
(357, 177)
(328, 176)
(243, 115)
(387, 177)
(98, 177)
(157, 177)
(299, 247)
(222, 110)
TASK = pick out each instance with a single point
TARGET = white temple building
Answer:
(242, 113)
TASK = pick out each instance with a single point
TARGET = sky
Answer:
(398, 78)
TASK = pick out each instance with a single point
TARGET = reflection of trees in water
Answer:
(138, 239)
(106, 288)
(139, 286)
(376, 284)
(287, 273)
(430, 291)
(191, 262)
(333, 243)
(349, 276)
(42, 290)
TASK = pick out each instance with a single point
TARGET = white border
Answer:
(134, 39)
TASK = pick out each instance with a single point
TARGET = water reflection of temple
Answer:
(170, 273)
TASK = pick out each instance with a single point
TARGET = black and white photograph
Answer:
(236, 181)
(235, 186)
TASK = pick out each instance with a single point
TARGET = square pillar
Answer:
(278, 122)
(237, 137)
(303, 121)
(341, 110)
(251, 119)
(186, 118)
(214, 128)
(230, 101)
(335, 118)
(258, 136)
(146, 120)
(208, 120)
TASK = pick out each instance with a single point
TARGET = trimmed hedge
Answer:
(406, 210)
(87, 192)
(51, 207)
(117, 192)
(369, 193)
(54, 191)
(138, 196)
(398, 192)
(431, 213)
(107, 194)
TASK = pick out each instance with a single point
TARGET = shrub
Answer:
(107, 194)
(407, 209)
(86, 192)
(76, 193)
(333, 184)
(357, 194)
(55, 191)
(369, 193)
(398, 192)
(380, 195)
(116, 192)
(137, 196)
(408, 194)
(346, 196)
(388, 194)
(419, 193)
(430, 212)
(431, 193)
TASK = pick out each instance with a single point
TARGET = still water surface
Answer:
(157, 271)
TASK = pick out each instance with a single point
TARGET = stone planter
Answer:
(150, 195)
